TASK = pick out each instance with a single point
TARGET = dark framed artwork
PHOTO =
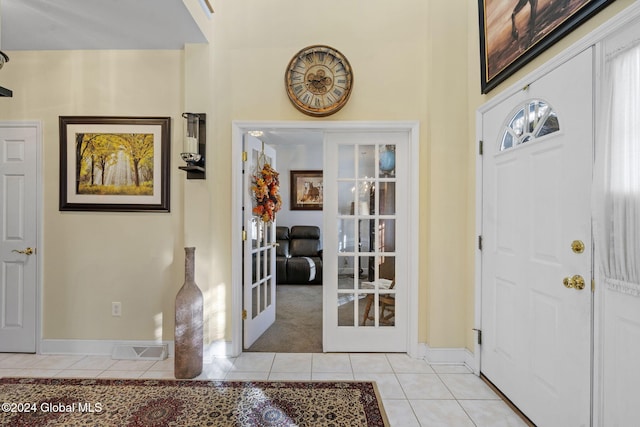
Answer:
(306, 190)
(117, 164)
(513, 32)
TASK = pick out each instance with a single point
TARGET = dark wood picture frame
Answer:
(307, 190)
(115, 164)
(505, 47)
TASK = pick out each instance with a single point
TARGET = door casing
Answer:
(241, 127)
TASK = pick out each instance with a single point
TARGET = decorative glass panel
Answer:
(387, 161)
(346, 279)
(387, 270)
(261, 265)
(533, 120)
(346, 157)
(366, 161)
(255, 300)
(267, 287)
(387, 198)
(387, 310)
(346, 310)
(387, 235)
(366, 235)
(550, 125)
(366, 197)
(346, 197)
(267, 263)
(347, 235)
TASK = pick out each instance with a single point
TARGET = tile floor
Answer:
(414, 393)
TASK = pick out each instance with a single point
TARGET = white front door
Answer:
(259, 254)
(366, 256)
(18, 225)
(536, 320)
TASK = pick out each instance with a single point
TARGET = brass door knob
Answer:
(28, 251)
(576, 282)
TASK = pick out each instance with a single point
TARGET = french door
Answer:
(259, 275)
(537, 246)
(365, 257)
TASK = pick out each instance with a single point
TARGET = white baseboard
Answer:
(447, 356)
(456, 356)
(92, 347)
(105, 347)
(217, 349)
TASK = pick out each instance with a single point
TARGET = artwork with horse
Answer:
(512, 27)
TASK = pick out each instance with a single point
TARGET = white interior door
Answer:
(365, 258)
(259, 254)
(18, 225)
(537, 332)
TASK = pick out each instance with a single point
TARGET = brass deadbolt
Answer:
(577, 246)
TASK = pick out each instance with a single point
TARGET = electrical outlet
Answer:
(116, 309)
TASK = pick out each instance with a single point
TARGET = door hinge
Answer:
(480, 147)
(244, 235)
(245, 156)
(479, 331)
(480, 242)
(244, 314)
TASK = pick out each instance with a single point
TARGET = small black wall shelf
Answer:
(6, 92)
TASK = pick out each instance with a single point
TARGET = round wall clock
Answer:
(319, 80)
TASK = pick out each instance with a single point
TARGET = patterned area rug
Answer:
(95, 402)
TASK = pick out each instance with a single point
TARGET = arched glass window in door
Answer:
(533, 120)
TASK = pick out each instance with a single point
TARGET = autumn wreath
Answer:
(266, 187)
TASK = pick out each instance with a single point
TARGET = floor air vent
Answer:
(140, 352)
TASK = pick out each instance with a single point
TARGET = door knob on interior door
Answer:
(576, 282)
(28, 251)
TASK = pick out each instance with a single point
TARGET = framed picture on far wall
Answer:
(117, 164)
(513, 32)
(306, 190)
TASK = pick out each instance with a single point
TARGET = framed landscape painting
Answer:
(118, 164)
(513, 32)
(306, 190)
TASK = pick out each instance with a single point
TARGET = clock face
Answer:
(319, 80)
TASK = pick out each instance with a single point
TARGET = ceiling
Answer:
(96, 24)
(112, 24)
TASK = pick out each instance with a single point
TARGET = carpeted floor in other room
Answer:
(298, 325)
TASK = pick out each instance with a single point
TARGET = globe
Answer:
(387, 161)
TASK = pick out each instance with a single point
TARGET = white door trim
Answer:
(239, 128)
(37, 125)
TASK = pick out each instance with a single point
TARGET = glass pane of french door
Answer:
(261, 269)
(366, 235)
(259, 284)
(366, 241)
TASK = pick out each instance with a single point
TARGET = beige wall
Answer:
(414, 60)
(394, 66)
(91, 259)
